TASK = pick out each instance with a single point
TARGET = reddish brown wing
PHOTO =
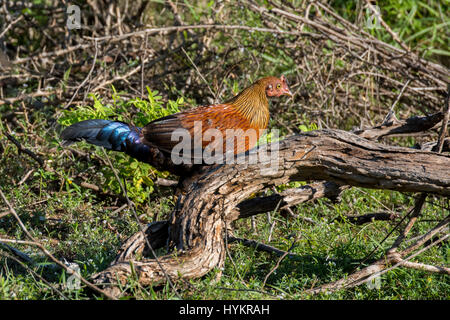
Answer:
(220, 117)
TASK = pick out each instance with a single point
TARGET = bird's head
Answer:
(276, 87)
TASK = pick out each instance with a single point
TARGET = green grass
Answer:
(421, 25)
(76, 224)
(79, 225)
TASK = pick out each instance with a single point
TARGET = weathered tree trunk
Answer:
(196, 228)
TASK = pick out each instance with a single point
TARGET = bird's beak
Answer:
(287, 92)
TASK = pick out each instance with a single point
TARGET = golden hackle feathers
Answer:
(247, 110)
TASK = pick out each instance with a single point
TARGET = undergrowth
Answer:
(139, 176)
(86, 227)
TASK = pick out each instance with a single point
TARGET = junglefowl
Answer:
(154, 142)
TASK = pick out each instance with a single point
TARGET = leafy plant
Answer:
(422, 25)
(138, 176)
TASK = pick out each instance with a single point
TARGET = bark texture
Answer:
(195, 232)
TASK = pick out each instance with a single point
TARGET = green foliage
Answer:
(138, 176)
(308, 126)
(77, 224)
(142, 111)
(422, 25)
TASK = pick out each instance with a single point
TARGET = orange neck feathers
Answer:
(252, 103)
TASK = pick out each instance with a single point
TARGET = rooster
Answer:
(154, 143)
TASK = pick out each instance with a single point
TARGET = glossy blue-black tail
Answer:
(112, 135)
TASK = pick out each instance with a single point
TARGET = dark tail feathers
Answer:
(112, 135)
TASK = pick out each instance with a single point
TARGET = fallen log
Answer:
(195, 232)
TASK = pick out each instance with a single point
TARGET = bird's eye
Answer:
(279, 86)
